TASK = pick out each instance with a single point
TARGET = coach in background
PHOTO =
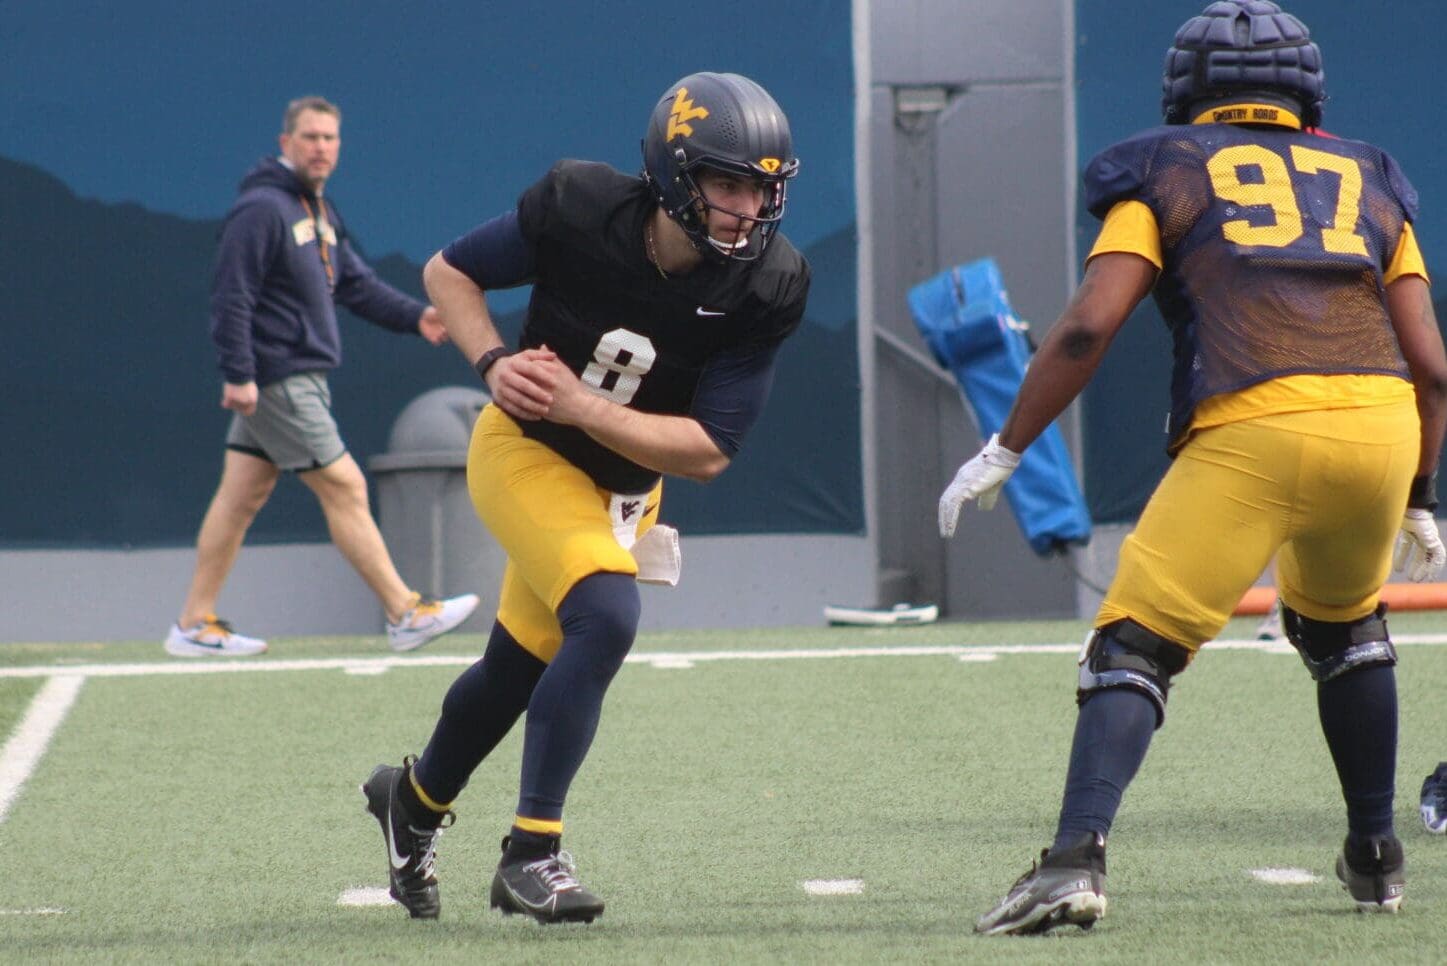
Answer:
(284, 260)
(1308, 402)
(658, 306)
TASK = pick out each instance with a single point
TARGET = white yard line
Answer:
(1285, 877)
(661, 659)
(833, 887)
(22, 753)
(42, 911)
(365, 896)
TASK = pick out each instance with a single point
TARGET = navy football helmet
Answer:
(1237, 47)
(728, 123)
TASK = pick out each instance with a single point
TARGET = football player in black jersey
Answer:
(1309, 399)
(659, 303)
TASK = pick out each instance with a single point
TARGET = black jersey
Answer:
(632, 335)
(1274, 244)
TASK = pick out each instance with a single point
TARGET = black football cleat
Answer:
(1374, 871)
(411, 850)
(545, 887)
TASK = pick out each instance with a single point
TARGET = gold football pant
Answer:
(552, 521)
(1322, 491)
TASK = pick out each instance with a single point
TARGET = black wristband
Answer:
(1423, 494)
(486, 360)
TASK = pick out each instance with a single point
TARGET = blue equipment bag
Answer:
(965, 316)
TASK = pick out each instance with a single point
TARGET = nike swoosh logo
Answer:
(215, 647)
(399, 862)
(704, 311)
(547, 905)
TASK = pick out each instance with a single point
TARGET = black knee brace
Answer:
(1126, 655)
(1332, 648)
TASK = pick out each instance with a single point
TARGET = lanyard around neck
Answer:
(321, 239)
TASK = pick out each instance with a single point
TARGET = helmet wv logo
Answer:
(770, 165)
(683, 112)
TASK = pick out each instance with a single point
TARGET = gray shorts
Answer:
(292, 426)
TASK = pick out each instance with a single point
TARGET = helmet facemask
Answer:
(692, 213)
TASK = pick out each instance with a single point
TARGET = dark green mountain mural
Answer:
(111, 434)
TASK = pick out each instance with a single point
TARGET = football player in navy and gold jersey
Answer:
(658, 306)
(1308, 403)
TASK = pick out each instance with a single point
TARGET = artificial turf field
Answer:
(208, 812)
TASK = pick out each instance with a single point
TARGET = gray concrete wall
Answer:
(307, 589)
(969, 153)
(111, 595)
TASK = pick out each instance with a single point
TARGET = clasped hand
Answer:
(535, 384)
(980, 479)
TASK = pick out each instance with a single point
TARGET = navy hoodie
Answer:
(273, 310)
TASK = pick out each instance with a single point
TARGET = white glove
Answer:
(980, 479)
(1419, 553)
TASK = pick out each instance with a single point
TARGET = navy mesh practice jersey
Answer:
(634, 336)
(1273, 244)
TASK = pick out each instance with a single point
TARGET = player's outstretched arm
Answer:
(1113, 285)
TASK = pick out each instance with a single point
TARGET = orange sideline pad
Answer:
(1258, 600)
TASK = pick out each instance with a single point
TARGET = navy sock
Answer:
(599, 618)
(1358, 714)
(1112, 733)
(523, 846)
(480, 708)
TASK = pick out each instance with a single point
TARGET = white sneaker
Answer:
(429, 618)
(211, 637)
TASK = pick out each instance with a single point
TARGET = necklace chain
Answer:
(652, 252)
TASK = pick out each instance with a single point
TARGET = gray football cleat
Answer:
(1373, 870)
(1066, 888)
(545, 887)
